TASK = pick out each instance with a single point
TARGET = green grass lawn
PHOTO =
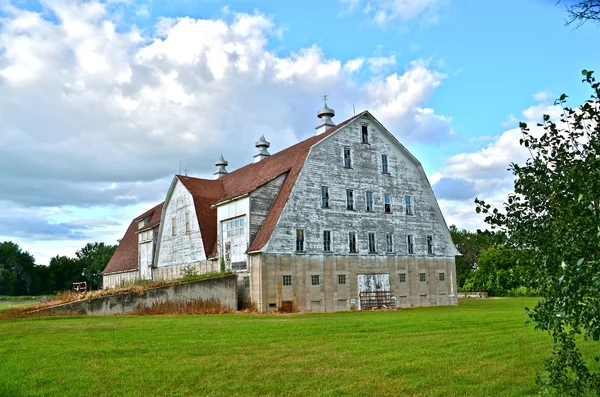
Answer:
(5, 304)
(478, 348)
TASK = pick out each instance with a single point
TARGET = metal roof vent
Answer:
(221, 164)
(262, 145)
(325, 115)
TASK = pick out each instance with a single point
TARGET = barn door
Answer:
(374, 291)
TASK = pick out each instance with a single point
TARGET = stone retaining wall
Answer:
(223, 289)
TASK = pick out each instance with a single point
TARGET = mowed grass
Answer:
(10, 304)
(478, 348)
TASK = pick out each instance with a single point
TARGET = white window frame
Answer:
(364, 132)
(347, 164)
(389, 243)
(385, 167)
(352, 234)
(409, 203)
(173, 227)
(372, 242)
(300, 243)
(325, 197)
(369, 200)
(327, 242)
(387, 203)
(350, 199)
(410, 243)
(430, 245)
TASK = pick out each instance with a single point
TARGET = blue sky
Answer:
(100, 102)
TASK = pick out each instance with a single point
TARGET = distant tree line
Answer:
(487, 263)
(19, 274)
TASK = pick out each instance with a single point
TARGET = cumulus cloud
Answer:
(98, 113)
(484, 173)
(396, 101)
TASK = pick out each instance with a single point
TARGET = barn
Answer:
(344, 219)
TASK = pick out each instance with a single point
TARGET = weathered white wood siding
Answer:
(324, 167)
(184, 247)
(115, 280)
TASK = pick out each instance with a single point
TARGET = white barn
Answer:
(345, 219)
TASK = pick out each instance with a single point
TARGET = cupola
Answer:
(221, 164)
(262, 145)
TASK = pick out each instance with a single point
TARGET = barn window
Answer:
(430, 245)
(173, 227)
(410, 242)
(287, 280)
(384, 164)
(387, 203)
(299, 239)
(422, 277)
(442, 276)
(365, 134)
(389, 243)
(349, 199)
(324, 197)
(234, 227)
(408, 200)
(341, 279)
(327, 240)
(352, 242)
(402, 277)
(314, 279)
(347, 158)
(187, 223)
(369, 199)
(372, 243)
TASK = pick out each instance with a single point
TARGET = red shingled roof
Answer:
(205, 192)
(208, 192)
(125, 257)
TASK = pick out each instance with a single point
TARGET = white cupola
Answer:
(325, 115)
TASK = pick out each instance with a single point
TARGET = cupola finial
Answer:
(325, 114)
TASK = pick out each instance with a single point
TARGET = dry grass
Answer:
(138, 288)
(194, 307)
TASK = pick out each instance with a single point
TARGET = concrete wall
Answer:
(223, 289)
(184, 247)
(117, 279)
(324, 167)
(268, 270)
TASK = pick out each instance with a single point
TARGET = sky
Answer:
(103, 102)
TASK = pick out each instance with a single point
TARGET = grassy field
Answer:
(479, 348)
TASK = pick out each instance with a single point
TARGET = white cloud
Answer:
(487, 169)
(382, 12)
(542, 96)
(98, 113)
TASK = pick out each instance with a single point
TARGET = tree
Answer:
(583, 11)
(93, 258)
(16, 269)
(553, 218)
(470, 245)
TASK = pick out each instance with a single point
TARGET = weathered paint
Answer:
(114, 280)
(324, 167)
(261, 201)
(184, 247)
(223, 289)
(234, 245)
(268, 291)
